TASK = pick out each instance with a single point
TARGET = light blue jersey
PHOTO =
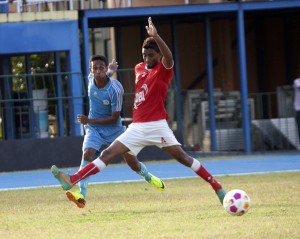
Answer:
(103, 101)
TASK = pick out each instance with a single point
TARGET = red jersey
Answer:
(151, 87)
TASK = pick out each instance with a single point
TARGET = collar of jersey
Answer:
(106, 86)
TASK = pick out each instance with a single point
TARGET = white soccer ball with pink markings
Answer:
(236, 202)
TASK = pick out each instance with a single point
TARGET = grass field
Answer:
(187, 209)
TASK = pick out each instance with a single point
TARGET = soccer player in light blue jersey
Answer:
(103, 124)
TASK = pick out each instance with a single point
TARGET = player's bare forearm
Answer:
(83, 119)
(165, 51)
(110, 120)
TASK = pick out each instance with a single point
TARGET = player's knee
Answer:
(112, 152)
(106, 155)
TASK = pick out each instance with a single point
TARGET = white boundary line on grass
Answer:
(139, 180)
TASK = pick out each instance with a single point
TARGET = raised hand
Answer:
(151, 30)
(112, 67)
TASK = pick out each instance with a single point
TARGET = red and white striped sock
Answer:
(203, 173)
(88, 170)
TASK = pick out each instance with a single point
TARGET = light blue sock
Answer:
(144, 172)
(83, 184)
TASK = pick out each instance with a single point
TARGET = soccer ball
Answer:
(236, 202)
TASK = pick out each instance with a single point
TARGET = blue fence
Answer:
(40, 105)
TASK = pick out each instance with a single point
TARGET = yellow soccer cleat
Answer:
(157, 182)
(77, 198)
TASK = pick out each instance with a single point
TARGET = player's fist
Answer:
(83, 119)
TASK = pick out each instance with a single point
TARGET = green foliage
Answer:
(187, 209)
(39, 63)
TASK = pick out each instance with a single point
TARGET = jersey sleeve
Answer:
(117, 96)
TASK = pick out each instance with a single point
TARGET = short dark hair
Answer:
(150, 43)
(99, 57)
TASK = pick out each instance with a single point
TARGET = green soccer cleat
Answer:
(157, 182)
(221, 194)
(77, 198)
(63, 179)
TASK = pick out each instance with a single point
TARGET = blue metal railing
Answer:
(272, 125)
(25, 106)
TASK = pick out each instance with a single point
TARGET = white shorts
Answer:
(139, 135)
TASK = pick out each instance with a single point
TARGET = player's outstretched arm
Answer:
(167, 59)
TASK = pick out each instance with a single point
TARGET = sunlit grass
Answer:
(187, 209)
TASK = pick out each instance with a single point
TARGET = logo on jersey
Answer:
(163, 141)
(140, 96)
(105, 102)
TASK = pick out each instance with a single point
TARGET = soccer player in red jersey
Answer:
(149, 126)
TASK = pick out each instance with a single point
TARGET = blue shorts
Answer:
(96, 137)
